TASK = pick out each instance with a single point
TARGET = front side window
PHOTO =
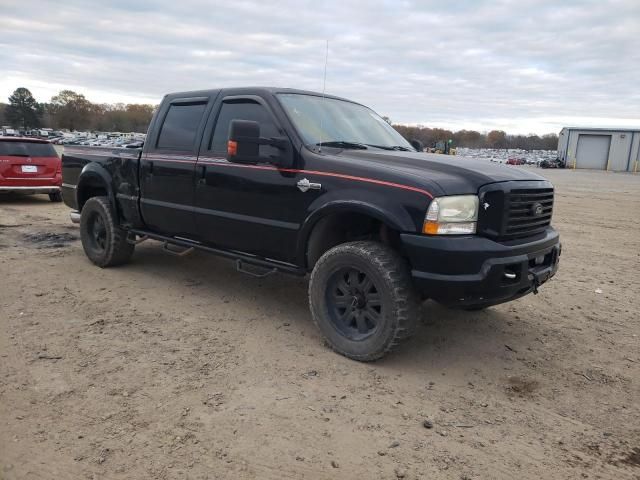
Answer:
(243, 110)
(180, 126)
(326, 120)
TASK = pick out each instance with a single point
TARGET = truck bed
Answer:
(118, 166)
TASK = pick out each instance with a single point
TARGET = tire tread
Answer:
(395, 268)
(119, 250)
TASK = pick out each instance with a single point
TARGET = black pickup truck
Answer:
(300, 182)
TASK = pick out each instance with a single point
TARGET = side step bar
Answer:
(240, 267)
(240, 257)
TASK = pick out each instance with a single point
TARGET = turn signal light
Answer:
(430, 228)
(232, 148)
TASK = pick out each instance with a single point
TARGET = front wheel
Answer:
(104, 242)
(362, 299)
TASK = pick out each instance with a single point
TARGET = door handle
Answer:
(150, 168)
(203, 175)
(305, 185)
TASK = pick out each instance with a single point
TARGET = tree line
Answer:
(72, 111)
(431, 137)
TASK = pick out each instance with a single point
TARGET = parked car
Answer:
(30, 165)
(300, 182)
(555, 163)
(516, 161)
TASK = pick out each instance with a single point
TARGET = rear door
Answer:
(28, 164)
(167, 167)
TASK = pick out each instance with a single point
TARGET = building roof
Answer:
(602, 129)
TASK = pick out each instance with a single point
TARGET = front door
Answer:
(250, 208)
(167, 168)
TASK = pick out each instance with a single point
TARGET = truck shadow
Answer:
(21, 199)
(445, 338)
(459, 339)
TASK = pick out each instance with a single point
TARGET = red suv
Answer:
(30, 165)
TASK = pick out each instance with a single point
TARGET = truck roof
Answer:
(252, 91)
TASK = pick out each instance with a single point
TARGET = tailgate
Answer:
(29, 167)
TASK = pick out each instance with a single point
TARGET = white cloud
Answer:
(522, 66)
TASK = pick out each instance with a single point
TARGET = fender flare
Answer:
(399, 220)
(95, 173)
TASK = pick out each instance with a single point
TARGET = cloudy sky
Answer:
(523, 66)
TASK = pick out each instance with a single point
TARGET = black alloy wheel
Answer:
(362, 299)
(354, 302)
(97, 231)
(103, 240)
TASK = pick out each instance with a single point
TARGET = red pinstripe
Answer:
(214, 161)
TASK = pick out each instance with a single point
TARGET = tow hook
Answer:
(536, 284)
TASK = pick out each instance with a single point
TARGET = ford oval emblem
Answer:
(536, 209)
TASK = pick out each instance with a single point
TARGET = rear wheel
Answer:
(104, 242)
(55, 196)
(362, 299)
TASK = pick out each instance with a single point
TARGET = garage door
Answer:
(593, 151)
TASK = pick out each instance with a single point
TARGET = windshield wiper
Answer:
(343, 144)
(391, 147)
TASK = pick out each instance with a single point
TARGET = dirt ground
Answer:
(183, 368)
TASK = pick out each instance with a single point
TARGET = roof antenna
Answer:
(324, 86)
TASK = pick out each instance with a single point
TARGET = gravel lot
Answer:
(183, 368)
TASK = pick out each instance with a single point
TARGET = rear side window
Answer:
(27, 149)
(244, 110)
(180, 126)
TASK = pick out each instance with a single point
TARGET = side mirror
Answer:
(417, 144)
(243, 145)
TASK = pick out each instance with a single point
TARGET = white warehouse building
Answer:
(600, 148)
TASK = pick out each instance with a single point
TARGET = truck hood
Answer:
(454, 175)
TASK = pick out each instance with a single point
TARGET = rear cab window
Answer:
(180, 126)
(26, 149)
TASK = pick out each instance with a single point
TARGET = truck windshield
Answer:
(340, 123)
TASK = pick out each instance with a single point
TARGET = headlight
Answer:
(454, 215)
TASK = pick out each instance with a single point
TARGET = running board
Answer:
(181, 253)
(271, 265)
(136, 241)
(242, 269)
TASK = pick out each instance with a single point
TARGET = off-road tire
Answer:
(115, 249)
(399, 301)
(55, 196)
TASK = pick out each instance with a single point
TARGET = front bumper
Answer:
(477, 271)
